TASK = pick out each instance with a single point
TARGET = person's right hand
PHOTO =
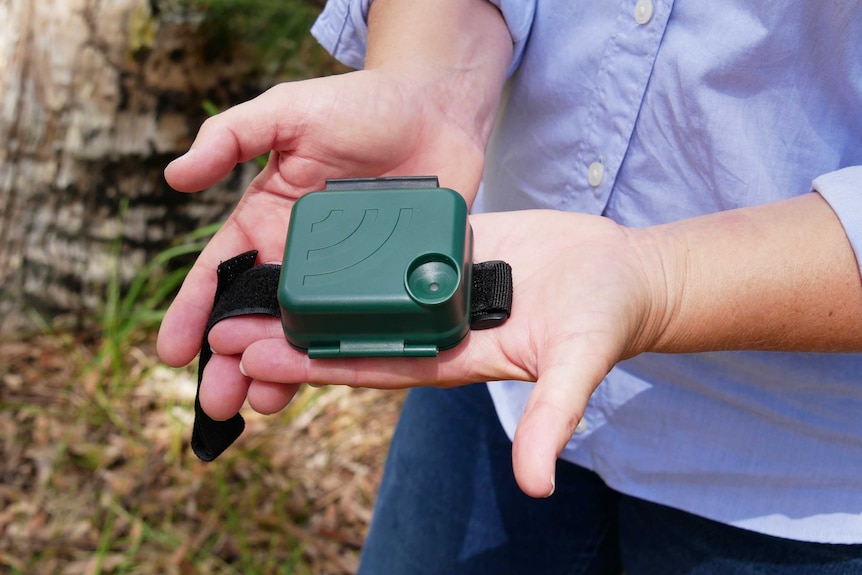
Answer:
(368, 123)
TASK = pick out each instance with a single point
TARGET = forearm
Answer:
(459, 50)
(779, 277)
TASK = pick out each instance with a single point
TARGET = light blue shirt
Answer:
(650, 111)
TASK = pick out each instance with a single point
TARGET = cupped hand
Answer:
(367, 123)
(587, 294)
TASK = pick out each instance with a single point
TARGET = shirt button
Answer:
(643, 11)
(595, 174)
(582, 426)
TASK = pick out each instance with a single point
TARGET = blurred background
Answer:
(96, 97)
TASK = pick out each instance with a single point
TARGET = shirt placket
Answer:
(621, 81)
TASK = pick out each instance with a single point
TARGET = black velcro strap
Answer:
(242, 289)
(491, 295)
(246, 289)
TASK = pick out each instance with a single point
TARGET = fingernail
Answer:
(242, 369)
(553, 486)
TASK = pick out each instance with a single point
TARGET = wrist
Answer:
(452, 55)
(663, 268)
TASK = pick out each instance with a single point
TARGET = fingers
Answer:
(268, 398)
(182, 328)
(232, 336)
(224, 387)
(275, 360)
(554, 409)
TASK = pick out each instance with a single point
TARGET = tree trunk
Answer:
(96, 96)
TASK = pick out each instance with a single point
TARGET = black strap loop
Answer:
(246, 289)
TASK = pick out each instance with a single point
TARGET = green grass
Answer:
(138, 308)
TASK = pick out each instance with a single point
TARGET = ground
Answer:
(96, 475)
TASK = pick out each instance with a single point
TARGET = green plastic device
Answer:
(377, 267)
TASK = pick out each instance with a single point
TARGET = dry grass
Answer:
(96, 475)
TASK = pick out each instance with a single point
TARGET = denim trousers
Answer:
(449, 505)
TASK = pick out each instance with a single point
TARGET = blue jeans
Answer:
(448, 505)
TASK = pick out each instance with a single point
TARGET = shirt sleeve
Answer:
(842, 189)
(342, 28)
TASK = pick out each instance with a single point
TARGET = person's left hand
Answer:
(587, 294)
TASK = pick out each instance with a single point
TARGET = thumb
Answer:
(555, 407)
(236, 135)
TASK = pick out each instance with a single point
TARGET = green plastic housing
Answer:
(377, 272)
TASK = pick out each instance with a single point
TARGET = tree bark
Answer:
(96, 96)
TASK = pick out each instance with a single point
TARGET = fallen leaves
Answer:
(97, 477)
